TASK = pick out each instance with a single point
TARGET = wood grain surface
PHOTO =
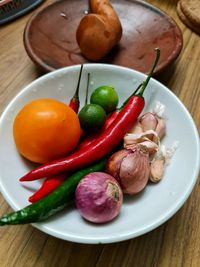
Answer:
(174, 244)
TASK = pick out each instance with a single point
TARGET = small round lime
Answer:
(92, 117)
(105, 96)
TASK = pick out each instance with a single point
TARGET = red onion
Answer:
(98, 197)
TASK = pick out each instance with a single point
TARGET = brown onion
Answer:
(131, 168)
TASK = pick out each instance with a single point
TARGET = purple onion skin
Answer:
(98, 197)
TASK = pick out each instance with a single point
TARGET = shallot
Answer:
(98, 197)
(131, 167)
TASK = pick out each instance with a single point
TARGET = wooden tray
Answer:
(50, 36)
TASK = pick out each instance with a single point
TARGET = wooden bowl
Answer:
(50, 36)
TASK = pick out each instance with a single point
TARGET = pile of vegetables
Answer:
(120, 157)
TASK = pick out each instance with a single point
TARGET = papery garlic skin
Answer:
(131, 139)
(159, 162)
(132, 168)
(159, 109)
(161, 128)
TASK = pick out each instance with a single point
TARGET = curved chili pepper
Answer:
(54, 202)
(104, 143)
(47, 187)
(89, 139)
(52, 183)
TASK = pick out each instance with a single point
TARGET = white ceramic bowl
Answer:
(140, 213)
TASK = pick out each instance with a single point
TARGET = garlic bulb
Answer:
(148, 131)
(144, 138)
(150, 121)
(131, 168)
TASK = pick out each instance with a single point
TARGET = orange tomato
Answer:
(46, 129)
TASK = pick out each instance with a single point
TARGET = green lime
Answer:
(105, 96)
(92, 117)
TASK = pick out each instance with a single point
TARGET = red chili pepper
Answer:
(52, 183)
(47, 187)
(104, 143)
(75, 102)
(89, 139)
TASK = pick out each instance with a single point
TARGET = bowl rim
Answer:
(41, 225)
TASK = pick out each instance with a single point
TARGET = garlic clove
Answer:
(137, 129)
(161, 128)
(157, 167)
(148, 121)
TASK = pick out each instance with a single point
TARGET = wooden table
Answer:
(175, 243)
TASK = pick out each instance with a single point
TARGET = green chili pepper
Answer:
(52, 203)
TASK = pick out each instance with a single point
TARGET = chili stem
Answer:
(76, 95)
(145, 83)
(87, 89)
(141, 87)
